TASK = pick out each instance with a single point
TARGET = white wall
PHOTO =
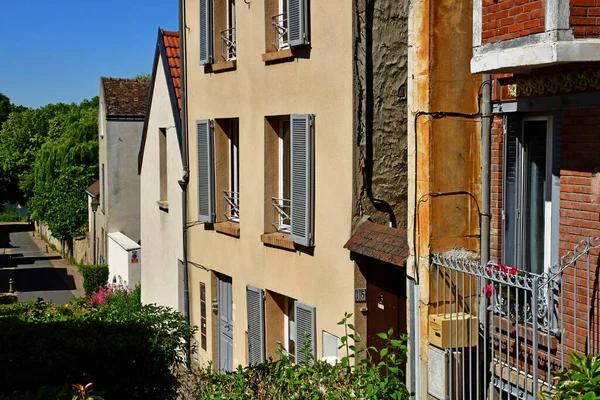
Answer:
(161, 230)
(121, 250)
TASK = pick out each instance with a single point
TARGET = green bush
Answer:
(94, 277)
(8, 298)
(11, 216)
(361, 379)
(580, 381)
(128, 350)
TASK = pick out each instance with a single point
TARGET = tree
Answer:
(5, 108)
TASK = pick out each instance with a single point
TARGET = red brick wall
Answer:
(496, 187)
(509, 19)
(585, 18)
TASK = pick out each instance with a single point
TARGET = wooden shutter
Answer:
(302, 196)
(512, 181)
(256, 325)
(297, 13)
(305, 332)
(206, 173)
(206, 31)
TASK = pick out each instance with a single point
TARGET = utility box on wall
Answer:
(124, 259)
(453, 330)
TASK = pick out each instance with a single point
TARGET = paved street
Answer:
(33, 271)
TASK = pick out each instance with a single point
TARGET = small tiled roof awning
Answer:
(94, 189)
(380, 242)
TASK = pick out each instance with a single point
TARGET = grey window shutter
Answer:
(511, 223)
(206, 31)
(297, 13)
(256, 325)
(302, 196)
(305, 332)
(206, 175)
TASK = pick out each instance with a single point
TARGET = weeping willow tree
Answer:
(64, 167)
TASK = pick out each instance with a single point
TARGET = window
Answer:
(287, 24)
(218, 171)
(531, 194)
(232, 197)
(217, 20)
(289, 176)
(162, 149)
(103, 186)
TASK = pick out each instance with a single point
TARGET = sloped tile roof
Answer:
(380, 242)
(125, 96)
(94, 189)
(171, 43)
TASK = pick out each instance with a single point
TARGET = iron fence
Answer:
(505, 330)
(228, 44)
(280, 31)
(281, 214)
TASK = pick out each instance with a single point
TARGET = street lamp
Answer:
(95, 204)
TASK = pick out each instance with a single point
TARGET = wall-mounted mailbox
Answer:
(453, 330)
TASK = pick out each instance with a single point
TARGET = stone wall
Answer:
(380, 156)
(79, 248)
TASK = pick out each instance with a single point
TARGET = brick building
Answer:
(545, 187)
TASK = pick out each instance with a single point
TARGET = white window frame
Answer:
(549, 206)
(287, 331)
(231, 24)
(283, 45)
(283, 123)
(234, 160)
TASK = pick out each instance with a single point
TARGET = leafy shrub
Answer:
(94, 277)
(64, 392)
(311, 380)
(8, 298)
(580, 381)
(127, 349)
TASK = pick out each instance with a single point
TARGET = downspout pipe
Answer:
(486, 149)
(183, 182)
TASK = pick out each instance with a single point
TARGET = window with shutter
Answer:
(297, 22)
(302, 177)
(530, 200)
(206, 180)
(305, 333)
(206, 31)
(256, 325)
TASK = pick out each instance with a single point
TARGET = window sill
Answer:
(278, 55)
(228, 228)
(279, 240)
(224, 66)
(163, 205)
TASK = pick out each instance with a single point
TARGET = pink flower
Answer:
(488, 290)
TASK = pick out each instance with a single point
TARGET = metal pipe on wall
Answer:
(486, 126)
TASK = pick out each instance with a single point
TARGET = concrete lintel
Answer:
(537, 55)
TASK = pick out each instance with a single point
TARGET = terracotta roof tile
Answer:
(380, 242)
(94, 189)
(171, 42)
(125, 96)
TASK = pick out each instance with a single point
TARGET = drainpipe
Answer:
(486, 125)
(183, 182)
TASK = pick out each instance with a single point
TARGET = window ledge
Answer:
(505, 326)
(224, 66)
(278, 239)
(163, 205)
(228, 228)
(277, 55)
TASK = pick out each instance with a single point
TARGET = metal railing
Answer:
(281, 214)
(280, 31)
(228, 44)
(232, 205)
(527, 324)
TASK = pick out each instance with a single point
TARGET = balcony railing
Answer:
(232, 205)
(280, 31)
(228, 44)
(281, 214)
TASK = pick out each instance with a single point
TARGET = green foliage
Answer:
(11, 216)
(580, 381)
(125, 348)
(64, 392)
(8, 298)
(315, 379)
(143, 76)
(5, 108)
(94, 277)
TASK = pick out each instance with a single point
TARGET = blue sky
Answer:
(56, 50)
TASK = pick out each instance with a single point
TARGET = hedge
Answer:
(127, 351)
(94, 277)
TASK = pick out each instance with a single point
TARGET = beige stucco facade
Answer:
(319, 83)
(161, 224)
